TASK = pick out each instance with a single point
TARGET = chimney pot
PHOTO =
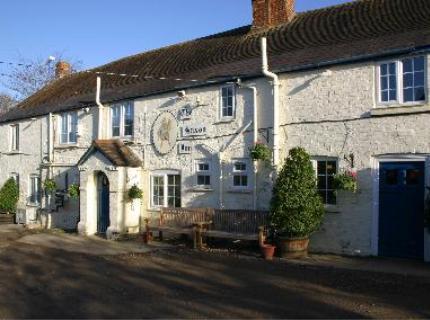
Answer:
(270, 13)
(62, 69)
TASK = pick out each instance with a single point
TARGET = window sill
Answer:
(201, 189)
(67, 146)
(225, 121)
(14, 153)
(399, 109)
(239, 190)
(33, 205)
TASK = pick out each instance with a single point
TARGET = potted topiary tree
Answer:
(9, 196)
(296, 207)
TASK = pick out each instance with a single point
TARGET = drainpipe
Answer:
(100, 108)
(276, 83)
(50, 144)
(255, 134)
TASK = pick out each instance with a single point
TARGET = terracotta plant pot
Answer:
(294, 248)
(268, 251)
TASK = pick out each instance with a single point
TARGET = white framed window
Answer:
(166, 190)
(326, 168)
(15, 176)
(228, 102)
(402, 81)
(122, 119)
(34, 190)
(69, 128)
(14, 137)
(203, 174)
(240, 174)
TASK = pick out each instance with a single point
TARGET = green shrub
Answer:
(260, 152)
(135, 193)
(50, 185)
(296, 207)
(74, 191)
(9, 196)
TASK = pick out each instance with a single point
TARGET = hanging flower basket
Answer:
(50, 185)
(135, 193)
(74, 191)
(260, 152)
(346, 181)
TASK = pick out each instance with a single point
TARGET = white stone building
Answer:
(349, 83)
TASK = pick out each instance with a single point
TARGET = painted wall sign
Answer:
(165, 132)
(185, 148)
(190, 131)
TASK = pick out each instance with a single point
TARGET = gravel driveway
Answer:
(45, 282)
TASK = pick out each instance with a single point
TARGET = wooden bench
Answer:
(213, 223)
(235, 224)
(179, 221)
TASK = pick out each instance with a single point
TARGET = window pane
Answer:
(408, 95)
(322, 182)
(393, 95)
(384, 83)
(331, 197)
(413, 176)
(392, 68)
(420, 94)
(64, 128)
(128, 120)
(419, 79)
(384, 96)
(331, 167)
(116, 121)
(407, 65)
(391, 177)
(393, 82)
(384, 69)
(408, 80)
(321, 167)
(419, 64)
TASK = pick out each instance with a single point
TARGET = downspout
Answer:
(255, 135)
(100, 109)
(276, 83)
(50, 144)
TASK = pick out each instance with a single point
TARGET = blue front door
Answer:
(401, 209)
(103, 220)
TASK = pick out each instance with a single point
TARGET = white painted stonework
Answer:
(330, 116)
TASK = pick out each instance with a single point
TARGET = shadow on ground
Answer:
(42, 282)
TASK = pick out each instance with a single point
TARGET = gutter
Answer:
(274, 77)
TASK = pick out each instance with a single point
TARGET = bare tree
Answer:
(6, 102)
(32, 75)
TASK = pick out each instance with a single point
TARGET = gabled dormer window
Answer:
(402, 81)
(228, 102)
(122, 120)
(69, 128)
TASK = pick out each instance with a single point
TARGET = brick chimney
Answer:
(62, 69)
(269, 13)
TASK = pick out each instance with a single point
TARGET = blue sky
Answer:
(99, 31)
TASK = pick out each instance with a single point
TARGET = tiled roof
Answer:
(358, 29)
(116, 152)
